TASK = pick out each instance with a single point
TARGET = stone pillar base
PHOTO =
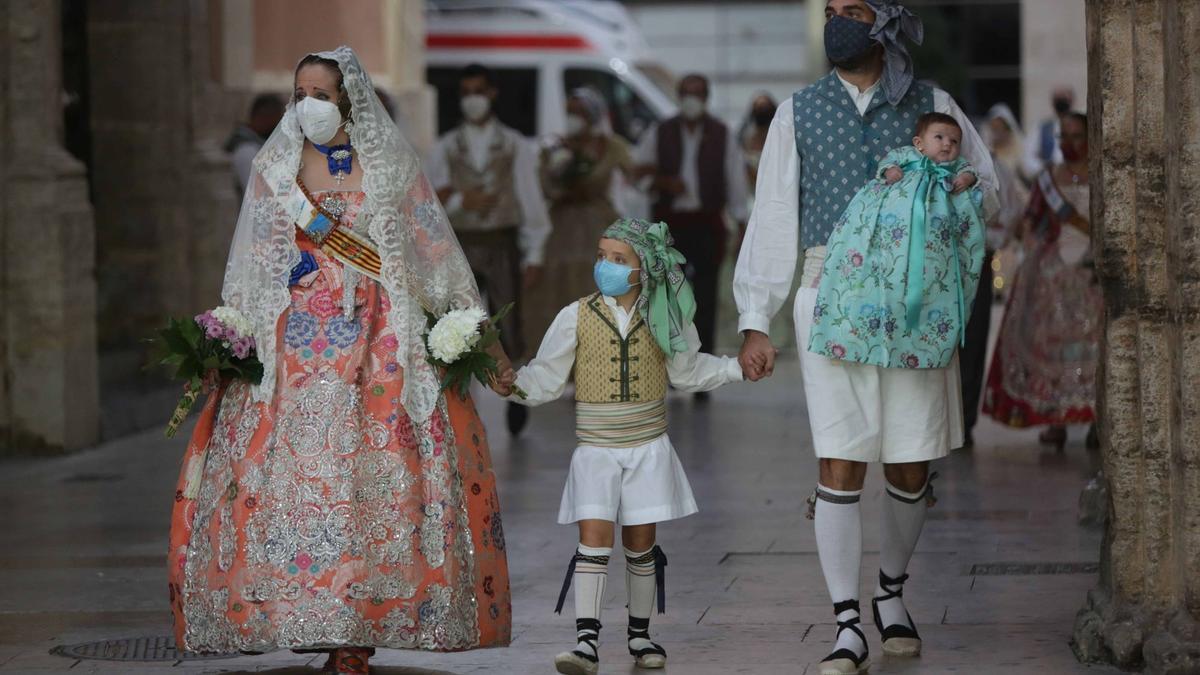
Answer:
(1133, 638)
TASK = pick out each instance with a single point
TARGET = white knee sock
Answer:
(903, 518)
(640, 584)
(591, 577)
(837, 519)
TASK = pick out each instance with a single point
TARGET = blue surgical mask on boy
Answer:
(612, 279)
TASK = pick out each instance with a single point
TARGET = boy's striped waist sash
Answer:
(620, 425)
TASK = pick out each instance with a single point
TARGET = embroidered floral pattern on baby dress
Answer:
(861, 311)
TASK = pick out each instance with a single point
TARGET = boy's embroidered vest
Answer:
(496, 178)
(839, 149)
(620, 383)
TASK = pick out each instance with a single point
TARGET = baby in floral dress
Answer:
(903, 262)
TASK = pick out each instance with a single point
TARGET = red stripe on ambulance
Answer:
(531, 41)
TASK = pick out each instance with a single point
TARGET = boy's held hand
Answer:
(504, 381)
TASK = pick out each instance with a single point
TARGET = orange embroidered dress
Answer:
(320, 519)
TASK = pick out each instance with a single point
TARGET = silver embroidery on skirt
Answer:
(330, 488)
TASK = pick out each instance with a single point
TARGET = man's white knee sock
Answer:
(903, 519)
(837, 520)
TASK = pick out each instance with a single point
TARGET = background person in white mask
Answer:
(699, 175)
(485, 173)
(582, 176)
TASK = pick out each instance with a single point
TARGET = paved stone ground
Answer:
(84, 538)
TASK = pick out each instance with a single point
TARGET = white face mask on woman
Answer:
(319, 120)
(576, 125)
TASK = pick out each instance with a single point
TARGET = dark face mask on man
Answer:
(1062, 106)
(762, 116)
(847, 41)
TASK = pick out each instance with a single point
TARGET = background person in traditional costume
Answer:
(824, 145)
(699, 176)
(344, 503)
(486, 174)
(582, 176)
(625, 344)
(1002, 133)
(1003, 136)
(753, 134)
(1042, 148)
(248, 138)
(1044, 366)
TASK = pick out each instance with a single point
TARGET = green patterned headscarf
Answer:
(666, 303)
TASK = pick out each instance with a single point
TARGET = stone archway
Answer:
(1144, 91)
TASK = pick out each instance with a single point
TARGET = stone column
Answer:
(164, 194)
(404, 36)
(1144, 100)
(48, 375)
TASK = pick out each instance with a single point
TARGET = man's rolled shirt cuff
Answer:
(754, 321)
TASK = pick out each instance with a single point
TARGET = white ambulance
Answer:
(539, 50)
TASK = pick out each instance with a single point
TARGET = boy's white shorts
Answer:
(628, 486)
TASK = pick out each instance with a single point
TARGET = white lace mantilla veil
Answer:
(423, 265)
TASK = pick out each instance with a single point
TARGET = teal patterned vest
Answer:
(839, 149)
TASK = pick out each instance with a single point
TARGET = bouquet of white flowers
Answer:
(457, 344)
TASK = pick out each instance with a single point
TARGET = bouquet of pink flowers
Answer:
(214, 346)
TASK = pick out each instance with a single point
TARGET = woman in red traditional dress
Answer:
(1044, 367)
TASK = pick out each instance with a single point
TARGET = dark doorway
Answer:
(77, 128)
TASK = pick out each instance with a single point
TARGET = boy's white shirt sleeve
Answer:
(696, 371)
(545, 377)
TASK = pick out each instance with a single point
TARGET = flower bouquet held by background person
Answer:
(458, 345)
(212, 347)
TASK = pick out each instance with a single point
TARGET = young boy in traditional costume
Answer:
(625, 344)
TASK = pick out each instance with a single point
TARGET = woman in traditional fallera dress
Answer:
(1044, 367)
(344, 503)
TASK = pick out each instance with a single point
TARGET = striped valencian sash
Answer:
(1059, 204)
(620, 425)
(323, 229)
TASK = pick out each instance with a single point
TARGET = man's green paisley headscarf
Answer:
(666, 303)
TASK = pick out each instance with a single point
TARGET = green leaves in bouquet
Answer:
(183, 346)
(490, 334)
(472, 365)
